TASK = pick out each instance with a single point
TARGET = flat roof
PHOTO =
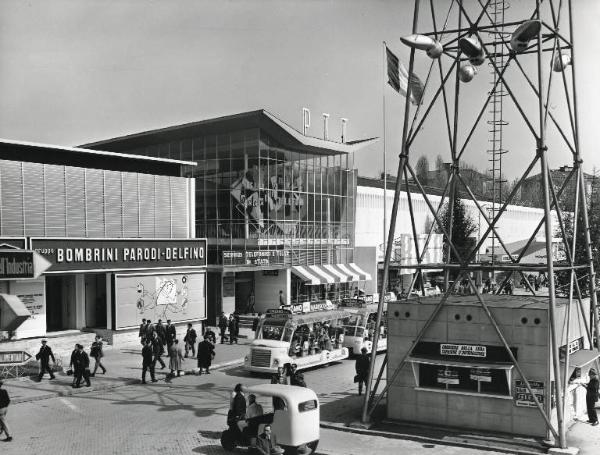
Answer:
(492, 300)
(15, 150)
(282, 132)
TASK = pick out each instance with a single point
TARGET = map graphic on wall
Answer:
(178, 297)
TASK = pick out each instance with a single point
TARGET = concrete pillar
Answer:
(79, 303)
(109, 302)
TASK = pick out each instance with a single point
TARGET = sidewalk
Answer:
(124, 367)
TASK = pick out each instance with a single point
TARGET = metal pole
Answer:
(388, 251)
(578, 161)
(384, 150)
(542, 149)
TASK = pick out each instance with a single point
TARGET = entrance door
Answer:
(95, 300)
(244, 285)
(60, 302)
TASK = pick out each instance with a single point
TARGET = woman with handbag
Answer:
(97, 353)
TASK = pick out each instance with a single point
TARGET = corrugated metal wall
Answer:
(43, 200)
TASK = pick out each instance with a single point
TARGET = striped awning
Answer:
(330, 273)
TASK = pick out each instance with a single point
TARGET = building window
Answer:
(487, 379)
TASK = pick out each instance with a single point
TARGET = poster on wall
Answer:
(31, 293)
(174, 296)
(525, 399)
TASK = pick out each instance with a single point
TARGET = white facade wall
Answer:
(517, 223)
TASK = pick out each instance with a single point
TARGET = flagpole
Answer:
(384, 66)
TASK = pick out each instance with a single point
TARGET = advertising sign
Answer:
(480, 374)
(447, 376)
(68, 255)
(255, 257)
(522, 396)
(175, 296)
(13, 357)
(15, 264)
(463, 350)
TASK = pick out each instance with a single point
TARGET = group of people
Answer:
(288, 376)
(231, 323)
(155, 338)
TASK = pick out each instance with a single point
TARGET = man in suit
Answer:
(4, 402)
(223, 324)
(142, 332)
(206, 352)
(190, 340)
(591, 397)
(266, 443)
(147, 361)
(150, 330)
(170, 333)
(161, 332)
(82, 367)
(44, 356)
(362, 369)
(158, 350)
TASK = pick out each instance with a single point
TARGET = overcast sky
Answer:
(76, 71)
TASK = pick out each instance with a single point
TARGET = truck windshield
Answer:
(272, 329)
(351, 322)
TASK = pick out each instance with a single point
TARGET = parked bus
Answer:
(306, 335)
(359, 328)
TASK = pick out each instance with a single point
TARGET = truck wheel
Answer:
(304, 449)
(228, 440)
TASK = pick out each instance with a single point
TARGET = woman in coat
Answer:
(175, 358)
(206, 352)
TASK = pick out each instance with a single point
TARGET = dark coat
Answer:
(85, 360)
(142, 332)
(233, 326)
(223, 322)
(4, 399)
(362, 365)
(147, 355)
(297, 379)
(239, 406)
(592, 389)
(171, 334)
(157, 347)
(161, 332)
(190, 336)
(212, 337)
(45, 354)
(206, 351)
(255, 322)
(96, 350)
(150, 329)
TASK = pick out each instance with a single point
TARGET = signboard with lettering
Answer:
(308, 307)
(69, 255)
(255, 257)
(480, 374)
(447, 376)
(463, 350)
(19, 264)
(522, 396)
(13, 357)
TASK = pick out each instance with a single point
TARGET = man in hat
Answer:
(4, 402)
(170, 333)
(44, 356)
(591, 397)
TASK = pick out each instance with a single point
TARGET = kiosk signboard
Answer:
(522, 396)
(447, 376)
(463, 350)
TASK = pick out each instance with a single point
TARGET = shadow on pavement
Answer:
(209, 449)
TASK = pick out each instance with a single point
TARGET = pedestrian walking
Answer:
(206, 353)
(74, 362)
(250, 302)
(150, 330)
(296, 378)
(237, 411)
(212, 337)
(97, 353)
(175, 358)
(158, 350)
(223, 324)
(362, 369)
(190, 341)
(170, 333)
(44, 355)
(282, 299)
(591, 396)
(4, 402)
(233, 329)
(81, 366)
(147, 361)
(142, 332)
(255, 322)
(160, 330)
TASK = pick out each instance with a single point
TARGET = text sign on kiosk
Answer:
(21, 264)
(463, 350)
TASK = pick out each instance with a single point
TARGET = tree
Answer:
(422, 170)
(441, 175)
(463, 226)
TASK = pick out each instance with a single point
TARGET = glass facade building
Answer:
(268, 199)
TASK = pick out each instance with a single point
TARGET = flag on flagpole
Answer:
(398, 79)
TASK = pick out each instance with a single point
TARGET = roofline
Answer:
(301, 139)
(96, 152)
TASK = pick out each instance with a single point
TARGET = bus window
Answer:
(288, 332)
(272, 329)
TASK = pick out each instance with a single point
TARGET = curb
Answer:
(428, 440)
(103, 387)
